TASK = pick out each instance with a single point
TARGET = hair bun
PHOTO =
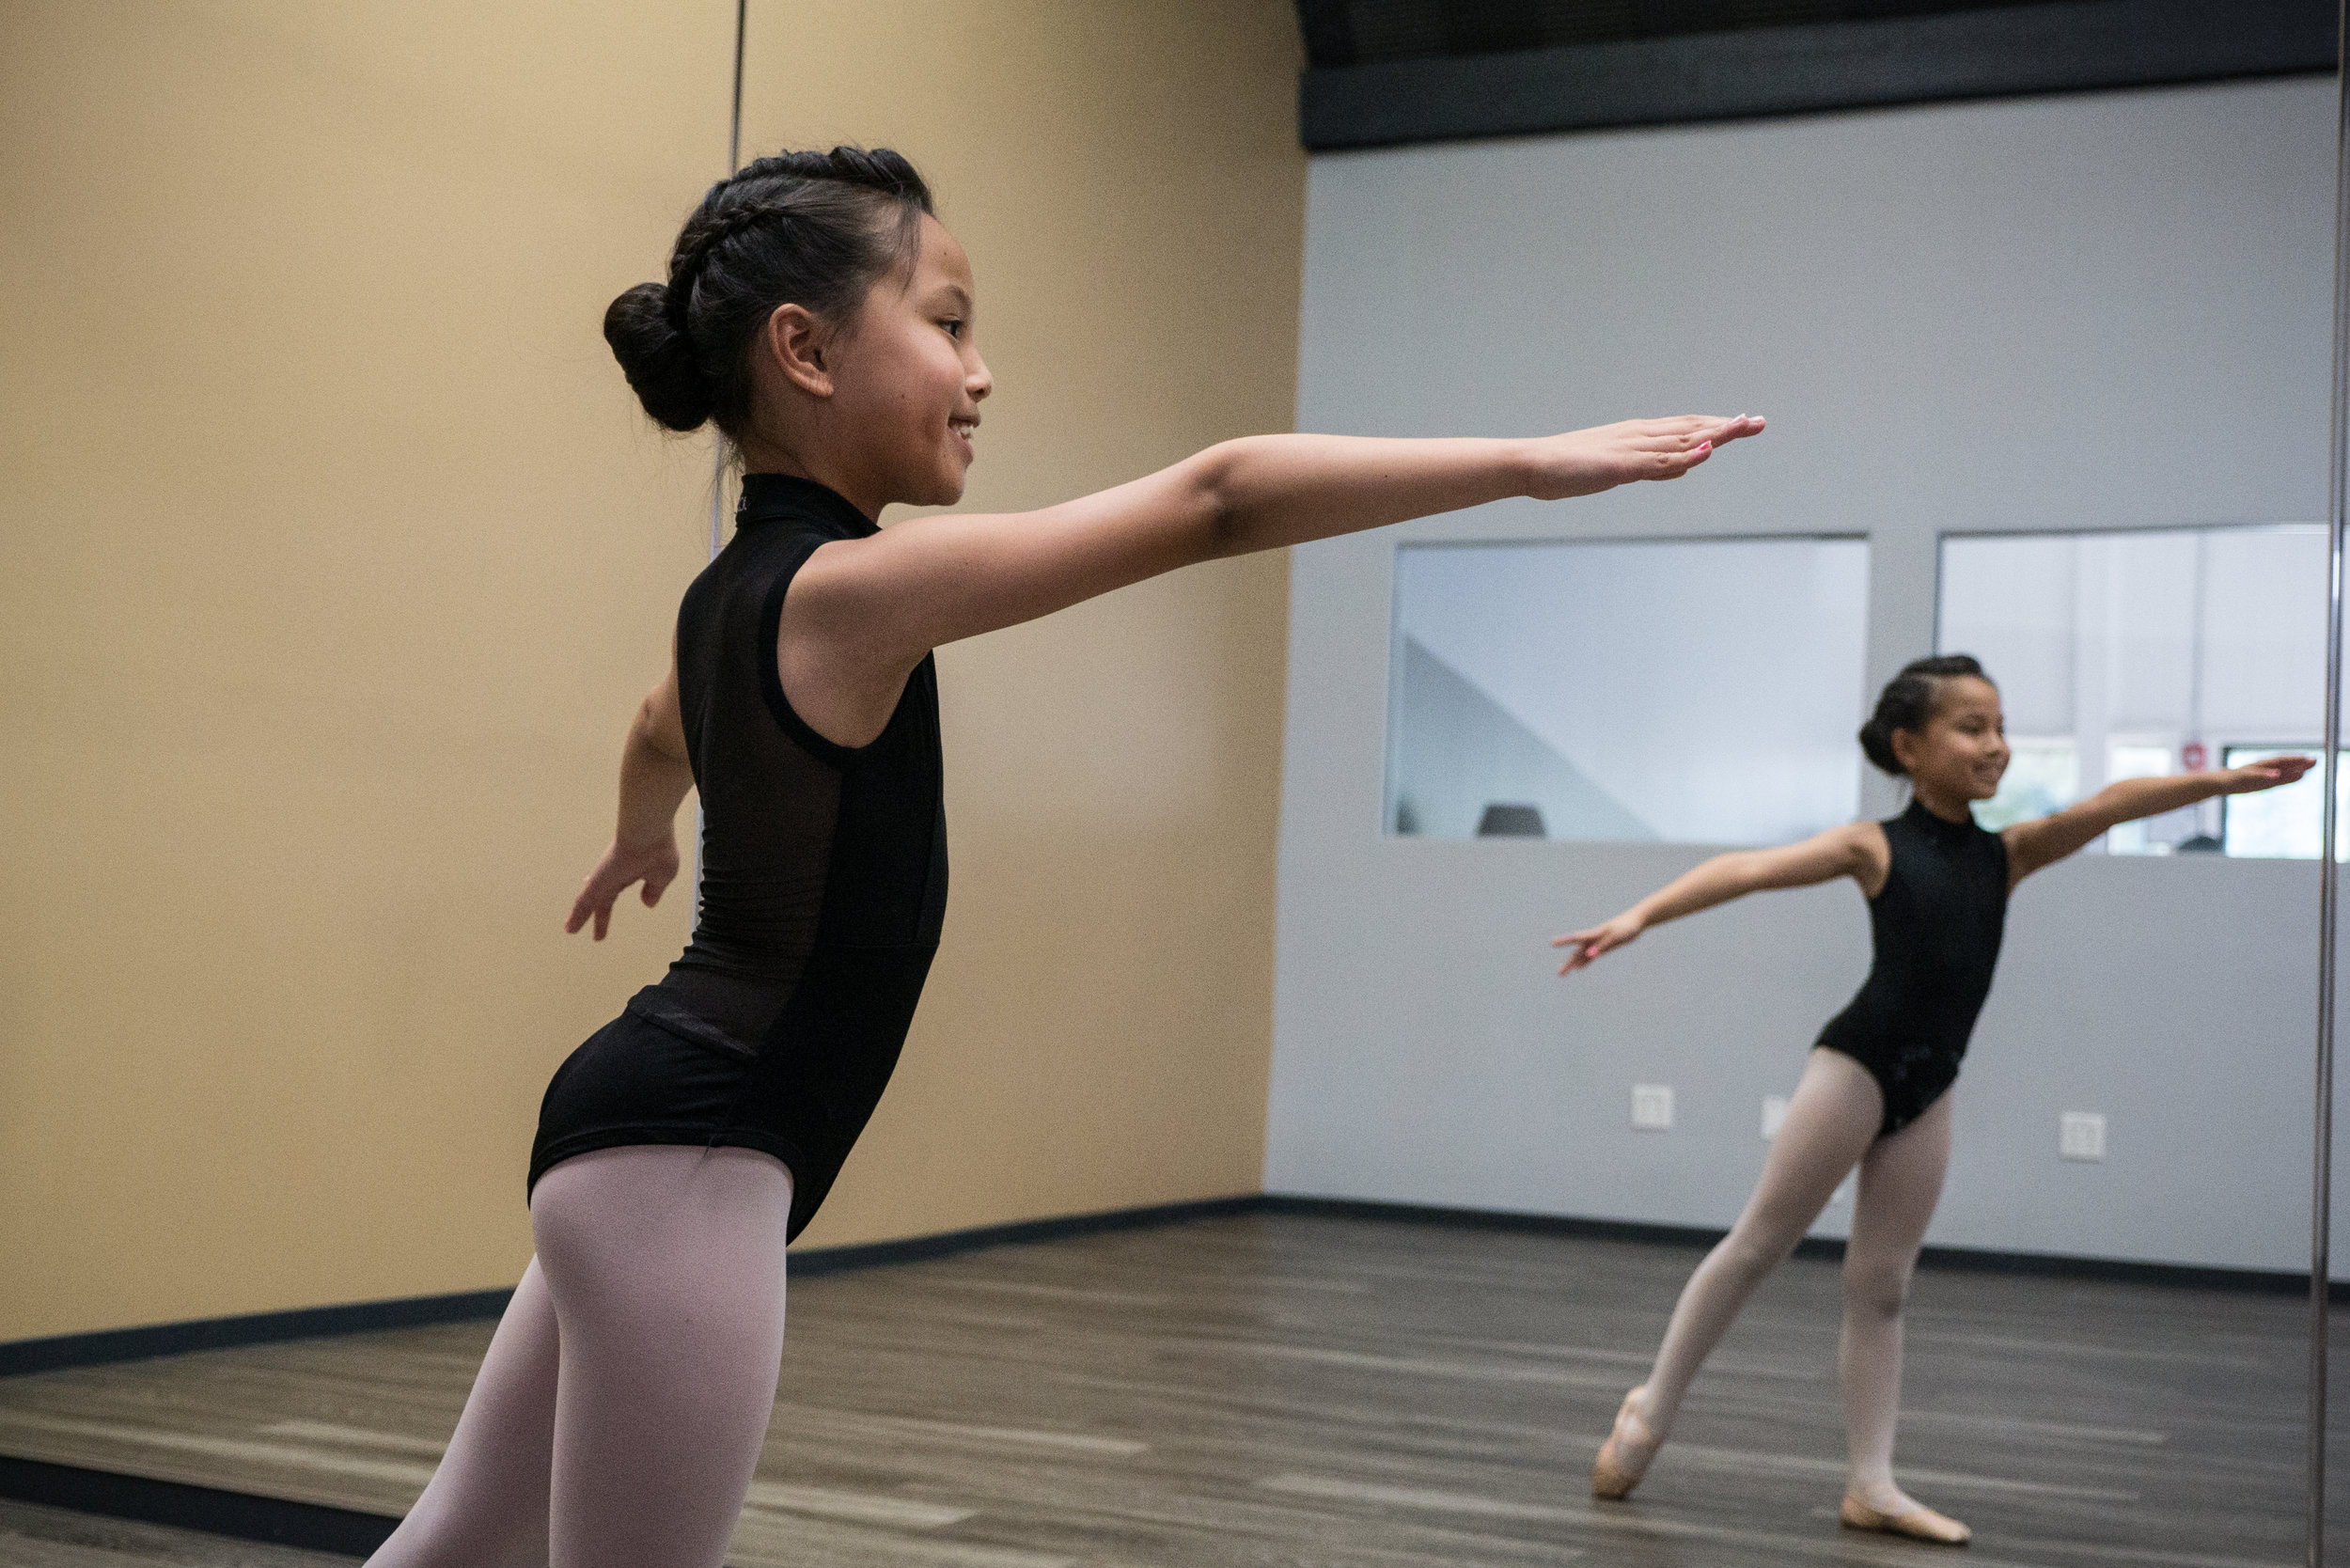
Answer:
(661, 368)
(1876, 744)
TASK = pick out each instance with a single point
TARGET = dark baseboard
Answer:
(251, 1328)
(1955, 1258)
(839, 1260)
(1487, 1219)
(235, 1514)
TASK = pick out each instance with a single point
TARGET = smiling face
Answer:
(1962, 753)
(907, 379)
(881, 406)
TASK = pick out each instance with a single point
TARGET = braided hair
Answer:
(1908, 701)
(815, 229)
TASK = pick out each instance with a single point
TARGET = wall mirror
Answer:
(2048, 380)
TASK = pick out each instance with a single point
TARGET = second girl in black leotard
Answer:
(1876, 1092)
(1935, 927)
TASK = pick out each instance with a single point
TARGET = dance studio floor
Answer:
(1315, 1392)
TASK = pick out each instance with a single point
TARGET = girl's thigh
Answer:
(666, 1267)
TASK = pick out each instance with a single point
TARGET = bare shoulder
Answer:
(2042, 841)
(1871, 854)
(1855, 850)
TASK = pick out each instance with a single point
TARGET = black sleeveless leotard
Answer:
(1936, 924)
(823, 889)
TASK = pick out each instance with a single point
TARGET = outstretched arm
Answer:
(654, 777)
(862, 613)
(1857, 850)
(2034, 845)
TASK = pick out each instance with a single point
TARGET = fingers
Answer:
(1690, 428)
(1671, 465)
(1588, 945)
(2271, 772)
(594, 903)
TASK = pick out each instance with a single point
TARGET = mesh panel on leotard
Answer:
(823, 889)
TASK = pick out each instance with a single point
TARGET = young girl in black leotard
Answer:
(1876, 1089)
(818, 313)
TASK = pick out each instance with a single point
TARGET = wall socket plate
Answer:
(1652, 1107)
(1774, 1115)
(2081, 1136)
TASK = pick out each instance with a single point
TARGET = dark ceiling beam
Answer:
(2015, 51)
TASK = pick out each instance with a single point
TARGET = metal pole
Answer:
(734, 161)
(718, 455)
(2330, 866)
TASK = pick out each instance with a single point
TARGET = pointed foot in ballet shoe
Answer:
(1624, 1458)
(1916, 1524)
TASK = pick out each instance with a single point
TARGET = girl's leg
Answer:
(487, 1504)
(665, 1266)
(1832, 1118)
(1900, 1181)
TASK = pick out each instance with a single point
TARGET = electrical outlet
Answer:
(1652, 1107)
(2081, 1136)
(1774, 1115)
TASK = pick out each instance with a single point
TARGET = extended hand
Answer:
(2267, 774)
(1588, 945)
(654, 865)
(1584, 462)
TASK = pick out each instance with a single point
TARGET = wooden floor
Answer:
(1318, 1392)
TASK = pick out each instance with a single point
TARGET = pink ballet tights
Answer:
(620, 1412)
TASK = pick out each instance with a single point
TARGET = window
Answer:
(2128, 654)
(1691, 691)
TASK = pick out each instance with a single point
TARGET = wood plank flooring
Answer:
(1312, 1393)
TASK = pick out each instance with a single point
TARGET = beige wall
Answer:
(333, 556)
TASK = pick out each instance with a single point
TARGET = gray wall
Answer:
(2100, 312)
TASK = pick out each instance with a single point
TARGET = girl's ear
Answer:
(1906, 749)
(795, 341)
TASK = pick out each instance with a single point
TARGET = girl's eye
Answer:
(954, 328)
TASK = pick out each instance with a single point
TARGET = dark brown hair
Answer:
(816, 229)
(1908, 703)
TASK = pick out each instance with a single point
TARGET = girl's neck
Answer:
(1949, 807)
(767, 457)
